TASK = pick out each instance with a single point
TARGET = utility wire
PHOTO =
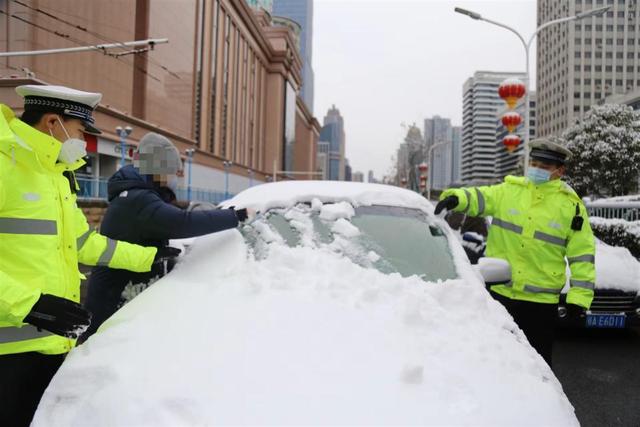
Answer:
(95, 34)
(79, 42)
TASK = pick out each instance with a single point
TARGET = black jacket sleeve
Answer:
(163, 221)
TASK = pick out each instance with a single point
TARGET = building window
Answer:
(587, 81)
(587, 95)
(609, 27)
(609, 13)
(630, 41)
(576, 81)
(620, 27)
(607, 83)
(597, 95)
(598, 54)
(608, 68)
(577, 54)
(609, 42)
(588, 27)
(619, 55)
(621, 14)
(629, 68)
(598, 68)
(630, 55)
(619, 42)
(608, 55)
(619, 82)
(577, 41)
(576, 95)
(599, 27)
(619, 68)
(576, 68)
(587, 54)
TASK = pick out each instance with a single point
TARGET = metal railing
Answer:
(629, 211)
(92, 188)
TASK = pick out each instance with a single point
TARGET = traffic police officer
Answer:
(43, 236)
(538, 221)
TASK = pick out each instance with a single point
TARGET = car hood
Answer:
(303, 336)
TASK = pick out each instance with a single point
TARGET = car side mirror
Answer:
(494, 271)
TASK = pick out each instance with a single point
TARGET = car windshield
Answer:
(388, 238)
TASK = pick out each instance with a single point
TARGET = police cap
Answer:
(62, 100)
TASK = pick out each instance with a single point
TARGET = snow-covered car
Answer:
(616, 302)
(341, 303)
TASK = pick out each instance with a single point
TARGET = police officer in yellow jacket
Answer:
(43, 236)
(538, 222)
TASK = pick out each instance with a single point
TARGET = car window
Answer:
(390, 239)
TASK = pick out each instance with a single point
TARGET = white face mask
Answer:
(72, 149)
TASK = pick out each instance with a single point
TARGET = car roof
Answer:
(289, 193)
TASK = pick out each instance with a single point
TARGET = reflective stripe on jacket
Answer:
(43, 236)
(531, 229)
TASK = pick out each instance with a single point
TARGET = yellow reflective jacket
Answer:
(531, 229)
(43, 236)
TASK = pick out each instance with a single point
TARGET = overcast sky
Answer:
(386, 62)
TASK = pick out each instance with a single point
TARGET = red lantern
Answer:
(511, 90)
(511, 120)
(511, 142)
(422, 167)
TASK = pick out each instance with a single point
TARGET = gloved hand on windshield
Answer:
(447, 203)
(59, 315)
(166, 252)
(244, 214)
(574, 311)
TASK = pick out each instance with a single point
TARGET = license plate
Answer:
(606, 320)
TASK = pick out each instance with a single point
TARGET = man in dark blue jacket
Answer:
(139, 212)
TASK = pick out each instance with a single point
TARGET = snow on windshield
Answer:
(304, 336)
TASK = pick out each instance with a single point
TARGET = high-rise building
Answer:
(438, 130)
(582, 62)
(301, 11)
(358, 177)
(480, 103)
(347, 170)
(227, 85)
(322, 160)
(333, 133)
(456, 138)
(262, 4)
(371, 177)
(509, 163)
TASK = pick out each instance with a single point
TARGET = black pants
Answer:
(537, 321)
(23, 379)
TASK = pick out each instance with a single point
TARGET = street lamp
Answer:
(227, 164)
(527, 45)
(250, 174)
(123, 133)
(189, 152)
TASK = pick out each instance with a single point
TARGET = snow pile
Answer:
(288, 193)
(616, 268)
(302, 335)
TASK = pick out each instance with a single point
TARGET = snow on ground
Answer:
(226, 339)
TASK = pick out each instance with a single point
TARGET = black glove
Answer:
(574, 311)
(166, 252)
(447, 203)
(59, 315)
(241, 214)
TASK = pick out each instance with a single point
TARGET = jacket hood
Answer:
(127, 178)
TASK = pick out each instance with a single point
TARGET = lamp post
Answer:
(189, 152)
(250, 174)
(527, 46)
(123, 133)
(227, 164)
(438, 144)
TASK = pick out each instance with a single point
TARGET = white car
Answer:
(341, 304)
